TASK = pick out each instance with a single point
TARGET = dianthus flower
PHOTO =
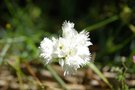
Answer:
(71, 50)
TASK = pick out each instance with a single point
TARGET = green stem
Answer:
(56, 76)
(114, 48)
(102, 23)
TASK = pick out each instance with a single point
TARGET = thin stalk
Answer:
(102, 23)
(96, 70)
(56, 76)
(124, 85)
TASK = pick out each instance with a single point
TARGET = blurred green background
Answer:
(111, 23)
(24, 23)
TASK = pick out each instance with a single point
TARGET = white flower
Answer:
(71, 50)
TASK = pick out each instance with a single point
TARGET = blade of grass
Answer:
(102, 23)
(56, 76)
(34, 75)
(96, 70)
(4, 51)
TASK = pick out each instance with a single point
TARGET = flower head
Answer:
(71, 50)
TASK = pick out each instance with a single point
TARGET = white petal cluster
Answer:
(71, 50)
